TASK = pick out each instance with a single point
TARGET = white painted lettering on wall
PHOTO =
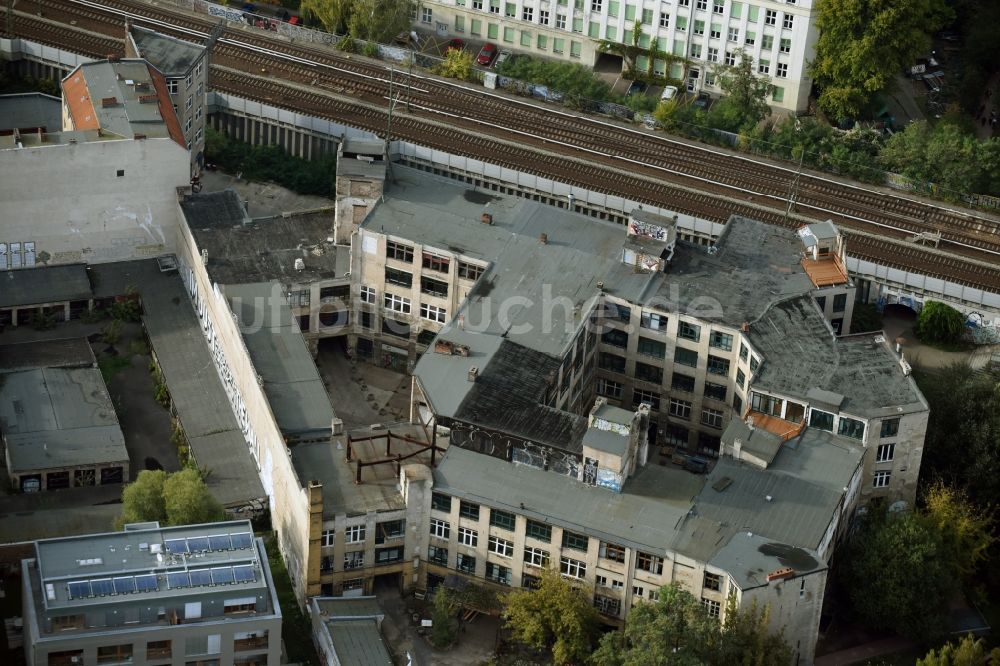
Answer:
(221, 363)
(619, 428)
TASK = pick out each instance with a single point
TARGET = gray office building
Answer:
(197, 595)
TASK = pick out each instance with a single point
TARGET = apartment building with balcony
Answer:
(780, 35)
(197, 595)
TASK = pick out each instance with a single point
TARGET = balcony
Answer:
(785, 430)
(826, 271)
(253, 643)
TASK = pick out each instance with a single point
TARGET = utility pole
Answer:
(794, 190)
(388, 127)
(10, 18)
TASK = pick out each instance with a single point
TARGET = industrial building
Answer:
(110, 172)
(197, 594)
(687, 39)
(58, 426)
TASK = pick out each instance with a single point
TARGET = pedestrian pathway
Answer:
(987, 120)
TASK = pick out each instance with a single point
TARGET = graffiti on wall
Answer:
(617, 428)
(199, 301)
(656, 232)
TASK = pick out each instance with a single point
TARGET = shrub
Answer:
(457, 64)
(370, 49)
(940, 324)
(347, 44)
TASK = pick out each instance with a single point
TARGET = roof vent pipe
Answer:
(544, 239)
(473, 373)
(486, 218)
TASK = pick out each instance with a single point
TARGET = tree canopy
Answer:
(898, 575)
(746, 93)
(863, 44)
(968, 651)
(556, 615)
(181, 498)
(676, 630)
(371, 20)
(939, 323)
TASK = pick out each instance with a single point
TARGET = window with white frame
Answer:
(543, 17)
(719, 6)
(713, 54)
(609, 389)
(712, 581)
(709, 79)
(698, 28)
(711, 417)
(782, 70)
(527, 13)
(613, 552)
(853, 428)
(173, 85)
(426, 15)
(596, 5)
(572, 568)
(468, 537)
(730, 58)
(433, 313)
(653, 321)
(501, 547)
(354, 534)
(560, 21)
(638, 591)
(664, 20)
(437, 555)
(716, 31)
(712, 607)
(734, 34)
(683, 3)
(770, 17)
(750, 39)
(695, 50)
(536, 557)
(680, 408)
(650, 563)
(885, 452)
(367, 294)
(651, 398)
(763, 67)
(788, 21)
(785, 45)
(498, 573)
(881, 479)
(396, 303)
(701, 4)
(440, 528)
(329, 537)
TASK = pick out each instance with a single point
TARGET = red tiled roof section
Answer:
(167, 107)
(81, 108)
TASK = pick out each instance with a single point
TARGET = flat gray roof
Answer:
(62, 353)
(58, 417)
(668, 509)
(358, 642)
(128, 116)
(279, 354)
(196, 390)
(243, 250)
(327, 463)
(29, 111)
(368, 169)
(152, 555)
(44, 284)
(605, 440)
(349, 607)
(174, 57)
(802, 354)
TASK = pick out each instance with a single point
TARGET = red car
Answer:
(455, 45)
(486, 55)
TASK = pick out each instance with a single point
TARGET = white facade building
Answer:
(780, 35)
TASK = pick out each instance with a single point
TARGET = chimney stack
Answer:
(745, 328)
(486, 218)
(544, 239)
(473, 373)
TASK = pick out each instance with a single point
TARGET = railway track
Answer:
(643, 180)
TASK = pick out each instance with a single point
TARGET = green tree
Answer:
(332, 14)
(443, 617)
(457, 64)
(969, 651)
(675, 630)
(181, 498)
(898, 575)
(966, 530)
(939, 323)
(142, 500)
(557, 615)
(188, 501)
(379, 20)
(746, 93)
(863, 44)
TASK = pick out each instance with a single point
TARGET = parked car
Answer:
(703, 102)
(486, 54)
(502, 57)
(455, 45)
(637, 88)
(669, 92)
(295, 20)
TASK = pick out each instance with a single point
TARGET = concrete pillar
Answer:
(66, 311)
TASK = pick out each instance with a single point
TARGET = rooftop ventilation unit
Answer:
(300, 265)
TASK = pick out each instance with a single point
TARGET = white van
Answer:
(669, 92)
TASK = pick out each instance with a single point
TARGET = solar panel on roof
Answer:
(220, 542)
(244, 574)
(102, 586)
(79, 589)
(146, 583)
(124, 585)
(198, 544)
(241, 539)
(201, 577)
(176, 545)
(222, 575)
(178, 579)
